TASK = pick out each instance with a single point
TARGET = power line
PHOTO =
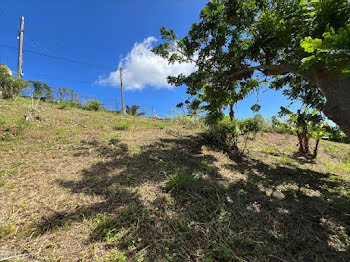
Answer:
(49, 37)
(61, 58)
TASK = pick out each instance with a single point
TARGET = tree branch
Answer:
(268, 70)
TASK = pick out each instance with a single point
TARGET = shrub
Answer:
(93, 105)
(122, 125)
(250, 125)
(336, 135)
(64, 104)
(10, 86)
(255, 124)
(224, 134)
(280, 127)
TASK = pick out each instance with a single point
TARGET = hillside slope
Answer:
(74, 188)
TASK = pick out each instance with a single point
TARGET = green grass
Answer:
(291, 148)
(270, 151)
(286, 159)
(122, 125)
(180, 180)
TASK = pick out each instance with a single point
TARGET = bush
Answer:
(10, 86)
(224, 134)
(122, 125)
(336, 135)
(255, 124)
(64, 105)
(93, 105)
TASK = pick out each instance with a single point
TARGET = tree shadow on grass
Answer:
(194, 214)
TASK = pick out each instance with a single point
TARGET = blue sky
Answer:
(108, 33)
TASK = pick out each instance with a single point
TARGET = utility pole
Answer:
(20, 49)
(121, 87)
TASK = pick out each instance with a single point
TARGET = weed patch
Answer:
(122, 125)
(180, 180)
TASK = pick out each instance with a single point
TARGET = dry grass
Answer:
(72, 188)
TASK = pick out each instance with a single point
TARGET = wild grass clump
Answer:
(122, 125)
(161, 125)
(180, 180)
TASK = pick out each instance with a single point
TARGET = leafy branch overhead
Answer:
(299, 45)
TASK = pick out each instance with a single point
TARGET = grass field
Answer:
(96, 186)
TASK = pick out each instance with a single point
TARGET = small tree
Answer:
(318, 131)
(41, 88)
(134, 110)
(301, 123)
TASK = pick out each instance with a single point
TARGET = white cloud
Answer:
(144, 68)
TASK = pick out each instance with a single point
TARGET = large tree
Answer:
(304, 44)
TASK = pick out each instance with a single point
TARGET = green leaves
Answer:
(331, 52)
(310, 45)
(10, 86)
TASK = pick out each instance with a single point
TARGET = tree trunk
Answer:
(300, 139)
(305, 141)
(232, 113)
(306, 144)
(337, 93)
(316, 148)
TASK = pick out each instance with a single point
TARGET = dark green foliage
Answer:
(10, 86)
(93, 105)
(224, 134)
(336, 135)
(255, 124)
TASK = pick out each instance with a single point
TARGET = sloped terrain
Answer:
(74, 187)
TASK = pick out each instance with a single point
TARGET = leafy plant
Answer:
(122, 125)
(93, 105)
(10, 86)
(318, 131)
(302, 124)
(335, 134)
(255, 124)
(224, 134)
(180, 180)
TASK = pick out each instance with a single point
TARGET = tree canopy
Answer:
(299, 44)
